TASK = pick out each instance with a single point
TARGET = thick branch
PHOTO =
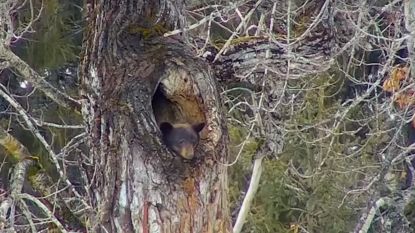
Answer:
(250, 194)
(251, 57)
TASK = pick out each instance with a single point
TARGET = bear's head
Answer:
(181, 138)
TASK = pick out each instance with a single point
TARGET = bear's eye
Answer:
(181, 142)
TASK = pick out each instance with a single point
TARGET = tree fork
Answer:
(137, 184)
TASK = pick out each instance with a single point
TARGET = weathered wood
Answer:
(139, 185)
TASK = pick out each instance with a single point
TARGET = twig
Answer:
(31, 125)
(54, 125)
(39, 82)
(191, 27)
(72, 144)
(229, 41)
(44, 209)
(27, 213)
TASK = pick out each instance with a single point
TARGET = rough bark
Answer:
(138, 184)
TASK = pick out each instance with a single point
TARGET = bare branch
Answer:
(59, 126)
(250, 194)
(45, 210)
(32, 76)
(31, 125)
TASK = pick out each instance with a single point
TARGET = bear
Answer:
(182, 139)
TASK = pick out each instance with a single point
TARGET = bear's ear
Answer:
(198, 127)
(166, 127)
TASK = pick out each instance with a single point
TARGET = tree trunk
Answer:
(137, 184)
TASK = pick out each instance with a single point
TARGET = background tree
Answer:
(324, 87)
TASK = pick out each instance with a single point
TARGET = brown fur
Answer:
(178, 122)
(181, 138)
